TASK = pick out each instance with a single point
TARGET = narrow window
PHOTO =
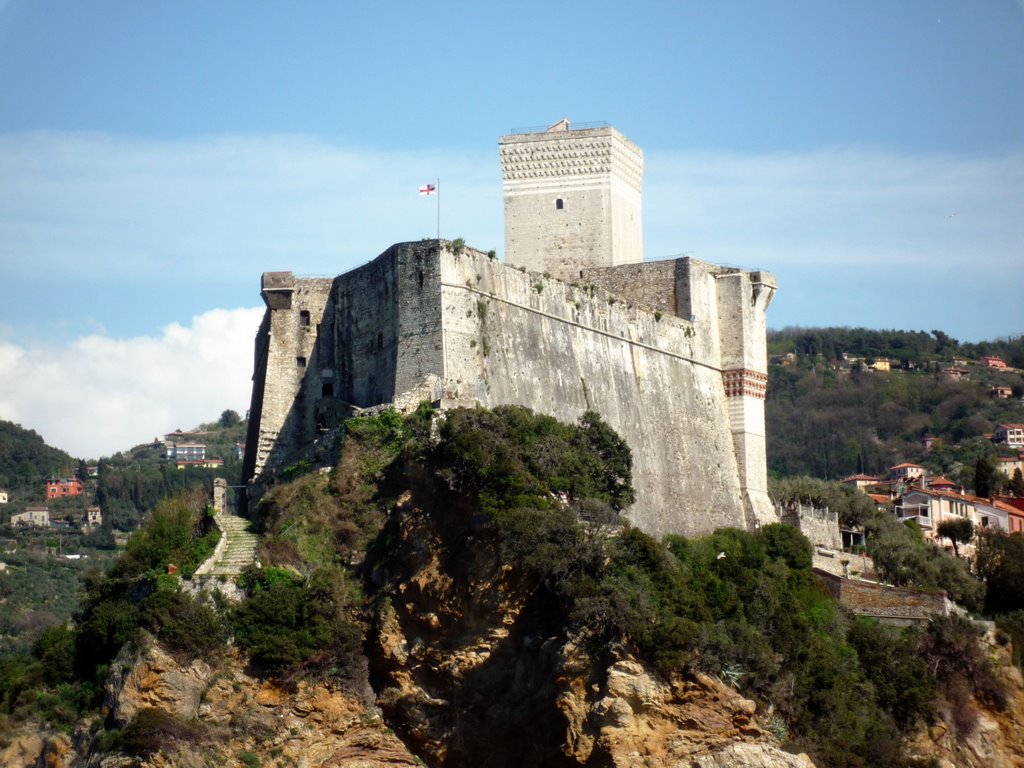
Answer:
(559, 204)
(300, 361)
(304, 317)
(380, 340)
(327, 390)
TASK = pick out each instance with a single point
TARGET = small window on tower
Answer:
(304, 317)
(559, 204)
(300, 362)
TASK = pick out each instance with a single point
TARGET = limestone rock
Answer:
(145, 675)
(37, 750)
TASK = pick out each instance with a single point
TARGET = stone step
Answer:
(240, 545)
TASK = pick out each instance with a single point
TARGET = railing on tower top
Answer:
(572, 127)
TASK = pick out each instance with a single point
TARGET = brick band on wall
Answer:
(745, 382)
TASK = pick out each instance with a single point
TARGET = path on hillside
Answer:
(238, 549)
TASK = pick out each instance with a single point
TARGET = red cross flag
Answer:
(428, 189)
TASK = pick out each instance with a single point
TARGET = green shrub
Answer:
(187, 627)
(284, 622)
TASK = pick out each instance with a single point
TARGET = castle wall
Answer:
(465, 330)
(286, 346)
(518, 338)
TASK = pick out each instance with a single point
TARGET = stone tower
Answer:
(572, 199)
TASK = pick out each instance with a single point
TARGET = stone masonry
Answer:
(671, 354)
(571, 197)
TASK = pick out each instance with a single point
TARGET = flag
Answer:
(428, 189)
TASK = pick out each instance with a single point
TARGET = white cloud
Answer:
(99, 395)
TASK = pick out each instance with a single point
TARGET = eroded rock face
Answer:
(38, 750)
(476, 670)
(695, 721)
(997, 740)
(144, 676)
(230, 712)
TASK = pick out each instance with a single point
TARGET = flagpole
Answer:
(439, 208)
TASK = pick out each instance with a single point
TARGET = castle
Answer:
(670, 353)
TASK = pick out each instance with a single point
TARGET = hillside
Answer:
(26, 461)
(462, 591)
(45, 567)
(830, 418)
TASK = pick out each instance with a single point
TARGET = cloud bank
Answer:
(99, 395)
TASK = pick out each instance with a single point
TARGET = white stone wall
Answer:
(464, 329)
(518, 338)
(597, 174)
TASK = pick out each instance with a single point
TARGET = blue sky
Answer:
(156, 157)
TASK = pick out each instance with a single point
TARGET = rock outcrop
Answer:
(997, 738)
(477, 670)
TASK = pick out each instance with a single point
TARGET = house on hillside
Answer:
(860, 482)
(64, 487)
(906, 473)
(930, 507)
(882, 364)
(881, 500)
(185, 451)
(190, 455)
(1007, 465)
(993, 361)
(941, 483)
(931, 443)
(3, 497)
(956, 374)
(1015, 510)
(1000, 393)
(38, 517)
(93, 517)
(1011, 435)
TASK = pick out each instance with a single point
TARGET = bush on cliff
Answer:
(286, 619)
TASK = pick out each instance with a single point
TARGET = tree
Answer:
(999, 560)
(958, 530)
(1017, 483)
(229, 418)
(984, 477)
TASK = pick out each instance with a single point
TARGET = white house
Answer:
(1009, 434)
(930, 507)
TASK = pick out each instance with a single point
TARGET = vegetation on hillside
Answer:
(905, 348)
(26, 462)
(545, 497)
(832, 423)
(63, 675)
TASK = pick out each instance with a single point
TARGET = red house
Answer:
(61, 487)
(993, 362)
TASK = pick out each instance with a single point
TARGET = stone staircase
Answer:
(237, 548)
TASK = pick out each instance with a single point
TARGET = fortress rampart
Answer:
(422, 322)
(671, 354)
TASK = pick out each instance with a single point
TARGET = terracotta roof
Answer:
(906, 465)
(1011, 426)
(879, 498)
(942, 481)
